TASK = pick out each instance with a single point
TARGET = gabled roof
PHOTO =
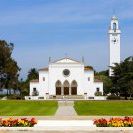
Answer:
(66, 60)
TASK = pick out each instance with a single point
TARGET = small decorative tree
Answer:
(35, 93)
(98, 93)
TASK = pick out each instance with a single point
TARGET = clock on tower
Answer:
(114, 43)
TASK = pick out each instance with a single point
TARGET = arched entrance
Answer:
(58, 87)
(66, 87)
(74, 88)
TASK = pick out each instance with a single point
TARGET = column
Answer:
(62, 90)
(69, 90)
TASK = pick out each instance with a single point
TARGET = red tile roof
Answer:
(44, 69)
(97, 80)
(34, 80)
(88, 68)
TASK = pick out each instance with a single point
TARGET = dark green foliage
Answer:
(123, 75)
(113, 97)
(24, 85)
(32, 74)
(9, 70)
(107, 82)
(14, 96)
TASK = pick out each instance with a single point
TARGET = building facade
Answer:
(66, 77)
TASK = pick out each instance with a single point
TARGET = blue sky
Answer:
(43, 28)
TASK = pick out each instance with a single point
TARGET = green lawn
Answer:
(27, 108)
(112, 108)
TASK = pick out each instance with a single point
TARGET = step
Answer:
(65, 123)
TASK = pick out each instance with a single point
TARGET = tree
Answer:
(105, 73)
(9, 70)
(107, 83)
(24, 85)
(123, 74)
(32, 74)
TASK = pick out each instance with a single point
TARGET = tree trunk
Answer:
(14, 91)
(126, 96)
(7, 92)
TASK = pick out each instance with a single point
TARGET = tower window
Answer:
(114, 26)
(97, 89)
(88, 78)
(43, 78)
(34, 89)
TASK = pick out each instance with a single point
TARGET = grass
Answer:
(109, 108)
(27, 108)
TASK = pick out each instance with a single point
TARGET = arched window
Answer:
(74, 87)
(58, 87)
(66, 87)
(114, 26)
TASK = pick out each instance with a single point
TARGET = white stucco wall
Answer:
(56, 73)
(88, 85)
(34, 85)
(44, 88)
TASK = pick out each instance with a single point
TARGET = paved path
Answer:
(65, 109)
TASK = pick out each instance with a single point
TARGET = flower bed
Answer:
(114, 122)
(23, 122)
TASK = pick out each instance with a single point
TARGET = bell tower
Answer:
(114, 43)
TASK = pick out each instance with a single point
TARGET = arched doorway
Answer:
(58, 87)
(66, 87)
(74, 88)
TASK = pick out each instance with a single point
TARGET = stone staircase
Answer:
(67, 97)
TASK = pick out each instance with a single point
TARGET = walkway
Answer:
(65, 108)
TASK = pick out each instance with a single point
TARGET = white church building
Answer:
(72, 79)
(66, 77)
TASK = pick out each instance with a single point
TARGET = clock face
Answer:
(114, 40)
(66, 72)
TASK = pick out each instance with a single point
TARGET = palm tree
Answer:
(32, 74)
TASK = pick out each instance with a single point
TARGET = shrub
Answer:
(14, 96)
(2, 95)
(98, 93)
(113, 97)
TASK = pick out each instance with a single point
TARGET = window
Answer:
(66, 72)
(34, 89)
(43, 78)
(97, 89)
(114, 26)
(88, 78)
